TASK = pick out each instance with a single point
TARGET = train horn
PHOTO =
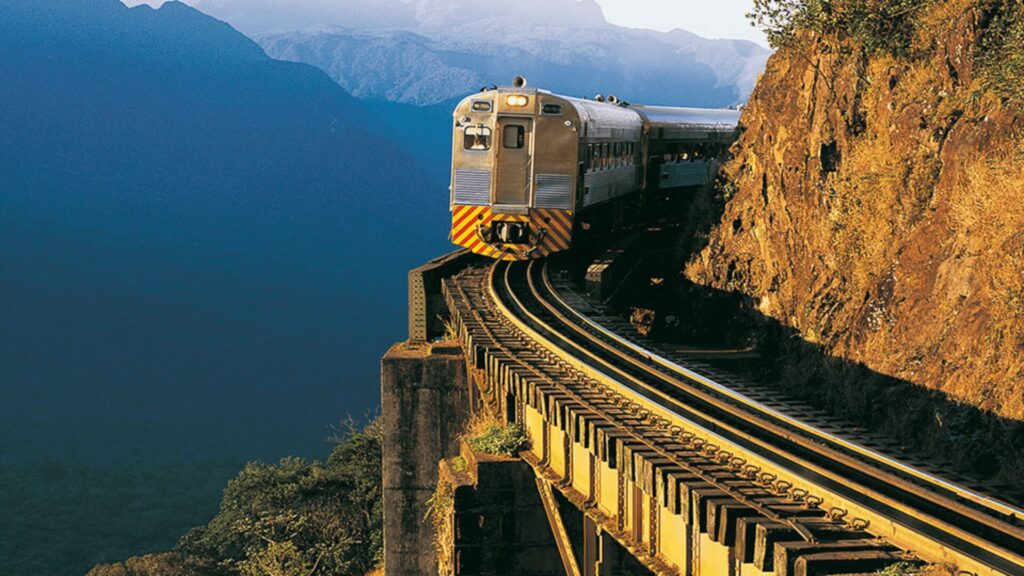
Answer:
(519, 82)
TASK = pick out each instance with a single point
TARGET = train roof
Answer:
(709, 119)
(601, 119)
(670, 120)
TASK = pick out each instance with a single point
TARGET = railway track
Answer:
(807, 479)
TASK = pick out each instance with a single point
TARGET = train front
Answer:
(514, 167)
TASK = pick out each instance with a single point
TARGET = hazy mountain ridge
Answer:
(639, 65)
(255, 17)
(425, 52)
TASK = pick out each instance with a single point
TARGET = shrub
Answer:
(899, 569)
(1001, 60)
(878, 25)
(459, 464)
(298, 517)
(499, 440)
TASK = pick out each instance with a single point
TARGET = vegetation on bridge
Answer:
(498, 440)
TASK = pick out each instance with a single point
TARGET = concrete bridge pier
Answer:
(427, 401)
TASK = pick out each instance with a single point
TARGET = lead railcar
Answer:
(532, 169)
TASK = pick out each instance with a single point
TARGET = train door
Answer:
(514, 162)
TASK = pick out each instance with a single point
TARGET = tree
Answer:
(299, 518)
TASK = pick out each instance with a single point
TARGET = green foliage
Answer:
(1001, 61)
(503, 441)
(298, 518)
(280, 559)
(439, 503)
(899, 569)
(782, 19)
(878, 25)
(459, 464)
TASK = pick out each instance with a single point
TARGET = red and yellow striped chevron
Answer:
(556, 224)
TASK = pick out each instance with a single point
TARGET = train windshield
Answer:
(477, 138)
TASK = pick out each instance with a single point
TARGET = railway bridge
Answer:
(640, 460)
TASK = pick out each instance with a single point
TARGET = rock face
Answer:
(875, 208)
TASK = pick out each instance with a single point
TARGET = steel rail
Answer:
(960, 535)
(993, 504)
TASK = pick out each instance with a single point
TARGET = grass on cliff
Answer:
(1001, 60)
(988, 212)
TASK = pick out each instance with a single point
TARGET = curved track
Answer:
(914, 509)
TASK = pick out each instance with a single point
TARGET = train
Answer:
(533, 171)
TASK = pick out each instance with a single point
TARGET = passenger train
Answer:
(532, 170)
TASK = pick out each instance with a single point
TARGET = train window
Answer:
(551, 110)
(513, 136)
(481, 106)
(476, 138)
(605, 155)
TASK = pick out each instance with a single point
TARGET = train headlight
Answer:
(517, 100)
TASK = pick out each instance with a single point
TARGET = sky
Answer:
(707, 18)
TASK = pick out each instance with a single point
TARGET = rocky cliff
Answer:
(874, 203)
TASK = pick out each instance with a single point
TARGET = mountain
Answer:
(425, 52)
(413, 77)
(203, 254)
(410, 61)
(265, 16)
(434, 66)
